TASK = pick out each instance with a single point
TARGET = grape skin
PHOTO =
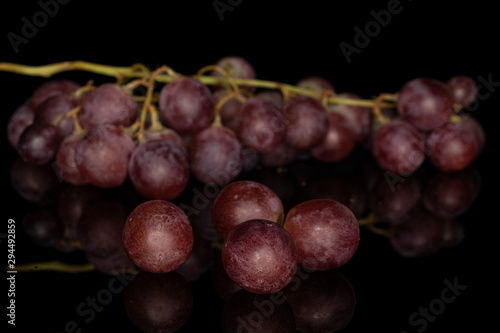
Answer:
(306, 122)
(215, 155)
(325, 231)
(102, 156)
(260, 256)
(19, 121)
(52, 88)
(338, 143)
(54, 107)
(66, 161)
(158, 236)
(39, 143)
(398, 147)
(186, 105)
(245, 200)
(159, 170)
(426, 103)
(463, 90)
(359, 118)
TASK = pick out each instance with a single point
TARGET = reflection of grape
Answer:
(158, 236)
(242, 201)
(31, 181)
(325, 231)
(260, 256)
(158, 302)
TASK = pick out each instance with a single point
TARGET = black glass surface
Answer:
(388, 286)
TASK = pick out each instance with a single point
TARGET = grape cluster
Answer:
(106, 134)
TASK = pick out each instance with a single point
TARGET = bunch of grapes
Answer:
(104, 135)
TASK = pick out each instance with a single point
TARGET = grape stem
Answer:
(140, 71)
(55, 266)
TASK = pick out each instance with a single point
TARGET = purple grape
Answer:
(238, 68)
(102, 156)
(306, 122)
(245, 200)
(66, 161)
(360, 119)
(260, 256)
(18, 121)
(215, 155)
(54, 107)
(325, 231)
(109, 103)
(281, 155)
(169, 135)
(39, 143)
(159, 170)
(186, 105)
(158, 236)
(228, 110)
(453, 146)
(52, 88)
(272, 96)
(398, 147)
(259, 124)
(426, 103)
(33, 182)
(338, 143)
(463, 90)
(315, 83)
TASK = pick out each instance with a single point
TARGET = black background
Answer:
(285, 42)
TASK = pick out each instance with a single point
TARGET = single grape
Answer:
(273, 96)
(245, 200)
(325, 231)
(238, 68)
(39, 143)
(158, 236)
(54, 107)
(250, 312)
(259, 125)
(315, 83)
(108, 103)
(215, 155)
(396, 202)
(449, 194)
(306, 122)
(159, 170)
(260, 256)
(18, 121)
(158, 302)
(360, 119)
(228, 110)
(453, 146)
(186, 105)
(463, 90)
(66, 161)
(426, 103)
(169, 135)
(102, 156)
(398, 147)
(52, 88)
(471, 125)
(338, 143)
